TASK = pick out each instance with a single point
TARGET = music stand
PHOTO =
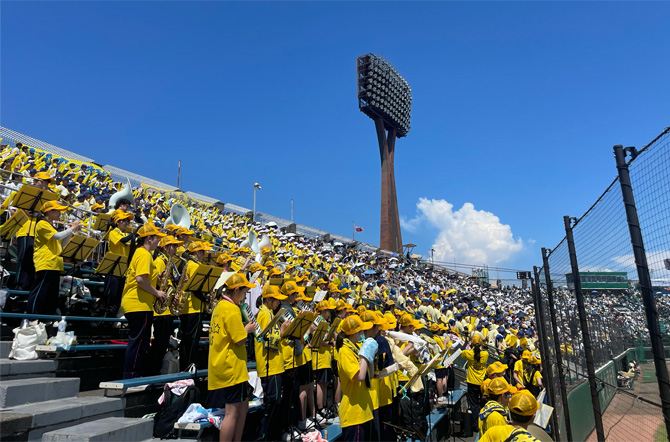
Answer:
(318, 334)
(310, 292)
(113, 264)
(299, 326)
(13, 224)
(101, 221)
(280, 281)
(333, 329)
(79, 248)
(32, 198)
(275, 319)
(204, 280)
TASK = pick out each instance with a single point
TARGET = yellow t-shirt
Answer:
(28, 228)
(115, 244)
(261, 348)
(47, 248)
(134, 298)
(476, 369)
(356, 406)
(499, 433)
(227, 363)
(194, 305)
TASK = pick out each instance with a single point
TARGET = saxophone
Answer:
(165, 286)
(180, 297)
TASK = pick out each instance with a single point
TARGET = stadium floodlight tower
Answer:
(385, 97)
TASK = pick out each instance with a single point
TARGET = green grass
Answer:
(661, 434)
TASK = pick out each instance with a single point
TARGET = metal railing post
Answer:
(586, 339)
(648, 300)
(544, 351)
(557, 345)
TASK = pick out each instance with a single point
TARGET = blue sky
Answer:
(516, 106)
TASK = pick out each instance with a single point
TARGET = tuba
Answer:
(124, 194)
(179, 216)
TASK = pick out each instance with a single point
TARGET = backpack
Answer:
(412, 417)
(172, 408)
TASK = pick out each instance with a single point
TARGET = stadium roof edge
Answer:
(6, 133)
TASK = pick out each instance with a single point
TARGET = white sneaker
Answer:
(307, 425)
(323, 420)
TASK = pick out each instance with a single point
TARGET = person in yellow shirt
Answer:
(355, 410)
(227, 364)
(43, 297)
(521, 368)
(532, 378)
(194, 309)
(163, 323)
(25, 273)
(118, 242)
(495, 411)
(476, 370)
(269, 364)
(322, 358)
(139, 295)
(297, 378)
(522, 409)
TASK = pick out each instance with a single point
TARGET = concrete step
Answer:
(5, 348)
(11, 369)
(56, 414)
(111, 429)
(25, 391)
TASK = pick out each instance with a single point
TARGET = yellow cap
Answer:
(52, 205)
(499, 386)
(120, 215)
(495, 368)
(169, 239)
(272, 291)
(523, 404)
(291, 287)
(238, 280)
(149, 230)
(353, 324)
(223, 258)
(196, 246)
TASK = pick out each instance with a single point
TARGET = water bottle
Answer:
(62, 325)
(24, 324)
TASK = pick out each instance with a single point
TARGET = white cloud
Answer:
(655, 262)
(466, 235)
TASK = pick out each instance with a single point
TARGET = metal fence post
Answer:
(645, 280)
(544, 351)
(557, 345)
(586, 339)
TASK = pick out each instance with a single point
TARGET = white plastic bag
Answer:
(63, 339)
(25, 341)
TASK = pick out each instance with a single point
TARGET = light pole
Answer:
(256, 186)
(432, 259)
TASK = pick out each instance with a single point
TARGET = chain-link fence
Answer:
(593, 306)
